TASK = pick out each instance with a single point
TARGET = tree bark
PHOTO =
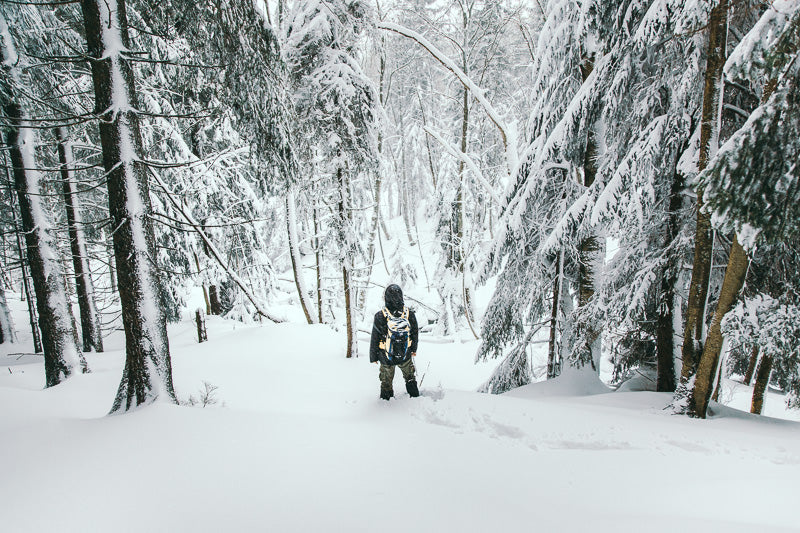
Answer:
(112, 270)
(213, 300)
(751, 366)
(91, 333)
(709, 362)
(694, 329)
(62, 356)
(762, 382)
(147, 375)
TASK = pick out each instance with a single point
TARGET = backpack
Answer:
(398, 338)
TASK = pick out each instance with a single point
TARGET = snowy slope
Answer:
(300, 442)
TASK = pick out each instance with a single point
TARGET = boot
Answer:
(411, 387)
(386, 394)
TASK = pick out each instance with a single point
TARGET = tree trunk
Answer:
(112, 270)
(147, 375)
(37, 340)
(665, 329)
(344, 239)
(61, 353)
(213, 300)
(62, 356)
(590, 249)
(665, 334)
(291, 229)
(29, 296)
(738, 263)
(552, 354)
(707, 368)
(91, 333)
(318, 265)
(694, 329)
(762, 382)
(751, 366)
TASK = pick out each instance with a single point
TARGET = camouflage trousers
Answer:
(386, 374)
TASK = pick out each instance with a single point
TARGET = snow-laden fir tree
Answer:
(334, 104)
(604, 163)
(760, 146)
(463, 103)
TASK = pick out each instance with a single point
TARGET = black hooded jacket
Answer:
(393, 296)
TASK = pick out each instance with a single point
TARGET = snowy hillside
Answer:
(299, 441)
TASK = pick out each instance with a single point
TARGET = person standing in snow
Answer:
(394, 342)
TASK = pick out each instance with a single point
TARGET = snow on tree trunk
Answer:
(694, 330)
(294, 254)
(205, 285)
(91, 333)
(148, 371)
(62, 356)
(59, 339)
(377, 184)
(7, 330)
(33, 320)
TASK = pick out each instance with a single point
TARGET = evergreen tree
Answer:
(147, 375)
(335, 106)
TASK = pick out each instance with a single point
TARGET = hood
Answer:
(393, 296)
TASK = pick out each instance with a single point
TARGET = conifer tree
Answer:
(762, 146)
(147, 375)
(335, 106)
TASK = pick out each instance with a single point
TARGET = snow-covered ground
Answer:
(299, 441)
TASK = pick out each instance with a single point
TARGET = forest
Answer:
(604, 194)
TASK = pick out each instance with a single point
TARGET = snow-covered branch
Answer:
(468, 161)
(214, 251)
(506, 131)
